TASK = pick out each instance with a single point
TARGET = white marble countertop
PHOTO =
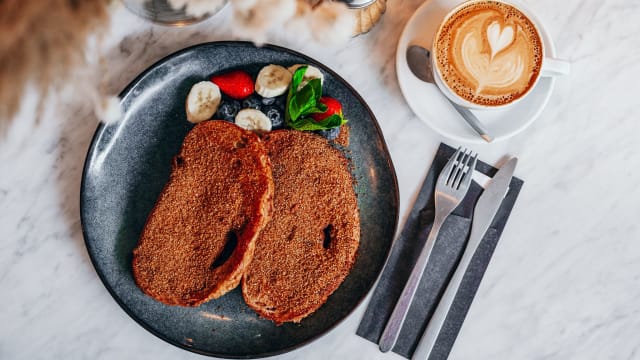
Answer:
(564, 282)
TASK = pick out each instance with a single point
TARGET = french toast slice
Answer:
(307, 249)
(200, 236)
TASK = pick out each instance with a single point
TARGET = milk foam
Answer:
(499, 37)
(488, 53)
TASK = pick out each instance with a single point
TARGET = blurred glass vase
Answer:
(175, 12)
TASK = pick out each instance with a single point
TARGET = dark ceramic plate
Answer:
(128, 164)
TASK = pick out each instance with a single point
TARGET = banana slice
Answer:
(272, 81)
(311, 73)
(202, 101)
(252, 119)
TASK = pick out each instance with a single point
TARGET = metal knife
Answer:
(483, 214)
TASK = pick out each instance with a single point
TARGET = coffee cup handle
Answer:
(555, 67)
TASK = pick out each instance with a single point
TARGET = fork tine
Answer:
(465, 179)
(472, 167)
(454, 167)
(455, 178)
(449, 167)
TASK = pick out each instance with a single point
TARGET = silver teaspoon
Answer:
(419, 62)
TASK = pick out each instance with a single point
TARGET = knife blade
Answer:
(485, 210)
(491, 198)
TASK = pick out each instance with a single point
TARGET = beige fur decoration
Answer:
(325, 21)
(42, 42)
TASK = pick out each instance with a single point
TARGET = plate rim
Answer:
(100, 129)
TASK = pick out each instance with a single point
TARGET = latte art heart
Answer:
(498, 37)
(487, 70)
(488, 53)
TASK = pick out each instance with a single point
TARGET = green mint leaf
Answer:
(309, 124)
(332, 121)
(294, 108)
(300, 103)
(318, 109)
(335, 120)
(316, 85)
(306, 100)
(296, 80)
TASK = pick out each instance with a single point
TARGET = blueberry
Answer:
(252, 102)
(276, 115)
(330, 134)
(228, 109)
(280, 101)
(268, 101)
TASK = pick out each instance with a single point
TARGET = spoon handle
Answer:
(473, 121)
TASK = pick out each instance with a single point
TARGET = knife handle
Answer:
(428, 340)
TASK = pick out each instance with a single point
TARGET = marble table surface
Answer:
(564, 282)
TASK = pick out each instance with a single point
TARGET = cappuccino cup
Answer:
(490, 54)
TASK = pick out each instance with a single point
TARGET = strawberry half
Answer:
(333, 108)
(235, 84)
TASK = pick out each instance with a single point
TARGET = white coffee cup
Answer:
(550, 66)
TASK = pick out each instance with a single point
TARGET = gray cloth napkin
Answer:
(446, 253)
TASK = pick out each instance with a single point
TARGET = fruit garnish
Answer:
(276, 116)
(252, 102)
(235, 84)
(333, 108)
(303, 103)
(272, 81)
(202, 101)
(330, 134)
(228, 109)
(252, 119)
(269, 100)
(311, 73)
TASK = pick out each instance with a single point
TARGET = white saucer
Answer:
(430, 105)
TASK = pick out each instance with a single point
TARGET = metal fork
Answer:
(451, 187)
